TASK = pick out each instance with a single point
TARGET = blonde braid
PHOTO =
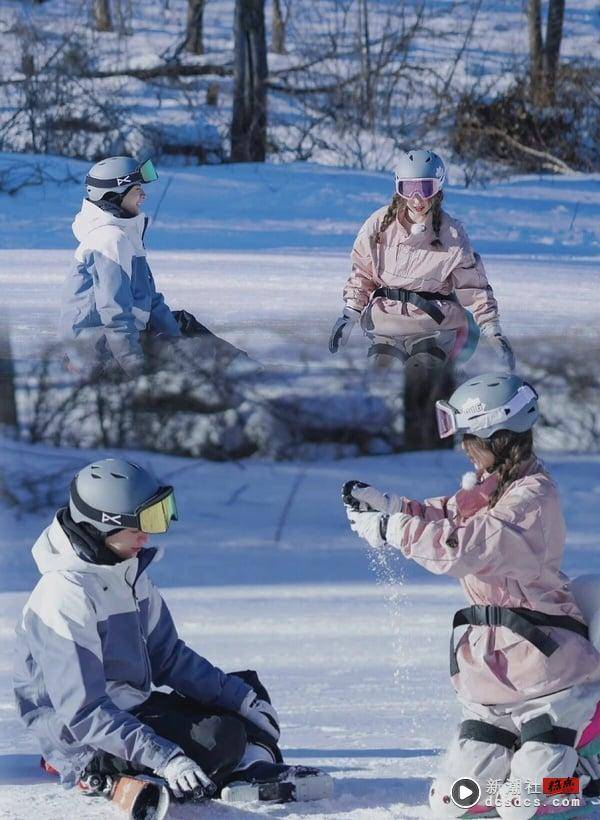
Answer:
(510, 450)
(390, 215)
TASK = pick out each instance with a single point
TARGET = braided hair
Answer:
(436, 219)
(397, 208)
(510, 451)
(389, 216)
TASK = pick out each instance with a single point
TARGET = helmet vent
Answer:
(118, 475)
(95, 476)
(493, 384)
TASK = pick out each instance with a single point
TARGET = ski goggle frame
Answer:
(425, 188)
(153, 516)
(145, 172)
(450, 421)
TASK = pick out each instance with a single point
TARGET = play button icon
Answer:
(465, 793)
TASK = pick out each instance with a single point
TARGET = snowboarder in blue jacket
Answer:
(96, 636)
(110, 300)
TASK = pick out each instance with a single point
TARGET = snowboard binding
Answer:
(278, 783)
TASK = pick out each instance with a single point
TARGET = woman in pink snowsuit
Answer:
(414, 274)
(524, 670)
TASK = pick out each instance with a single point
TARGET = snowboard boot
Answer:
(277, 783)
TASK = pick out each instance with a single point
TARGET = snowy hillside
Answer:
(357, 669)
(425, 55)
(262, 570)
(260, 252)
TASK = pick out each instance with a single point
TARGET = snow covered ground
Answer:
(260, 252)
(354, 650)
(262, 570)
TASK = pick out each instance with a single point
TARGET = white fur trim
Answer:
(418, 227)
(469, 480)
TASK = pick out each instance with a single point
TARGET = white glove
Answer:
(184, 775)
(340, 333)
(371, 526)
(261, 713)
(369, 499)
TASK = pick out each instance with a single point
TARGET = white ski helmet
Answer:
(421, 166)
(112, 494)
(117, 174)
(488, 403)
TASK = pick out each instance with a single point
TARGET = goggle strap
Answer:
(522, 397)
(128, 179)
(119, 520)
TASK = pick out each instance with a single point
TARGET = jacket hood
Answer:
(91, 218)
(53, 552)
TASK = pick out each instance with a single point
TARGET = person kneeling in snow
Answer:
(95, 635)
(110, 304)
(525, 671)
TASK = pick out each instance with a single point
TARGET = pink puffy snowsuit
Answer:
(409, 261)
(509, 555)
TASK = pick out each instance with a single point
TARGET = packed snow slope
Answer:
(262, 571)
(260, 252)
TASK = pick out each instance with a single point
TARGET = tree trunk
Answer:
(534, 25)
(422, 388)
(102, 18)
(556, 14)
(124, 15)
(365, 51)
(193, 33)
(8, 394)
(249, 120)
(278, 29)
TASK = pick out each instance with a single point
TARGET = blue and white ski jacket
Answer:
(91, 642)
(110, 296)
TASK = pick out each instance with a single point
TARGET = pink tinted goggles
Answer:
(425, 188)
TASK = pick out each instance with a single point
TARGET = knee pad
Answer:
(440, 800)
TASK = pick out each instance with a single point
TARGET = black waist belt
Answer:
(521, 621)
(421, 299)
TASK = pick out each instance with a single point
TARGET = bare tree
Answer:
(277, 29)
(544, 56)
(194, 28)
(102, 16)
(8, 402)
(249, 120)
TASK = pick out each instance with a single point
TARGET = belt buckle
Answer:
(493, 615)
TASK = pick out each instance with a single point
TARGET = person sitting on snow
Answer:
(413, 275)
(96, 635)
(110, 303)
(525, 671)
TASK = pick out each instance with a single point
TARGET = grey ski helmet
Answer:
(488, 403)
(419, 164)
(117, 174)
(111, 494)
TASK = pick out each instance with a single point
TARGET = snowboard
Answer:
(139, 797)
